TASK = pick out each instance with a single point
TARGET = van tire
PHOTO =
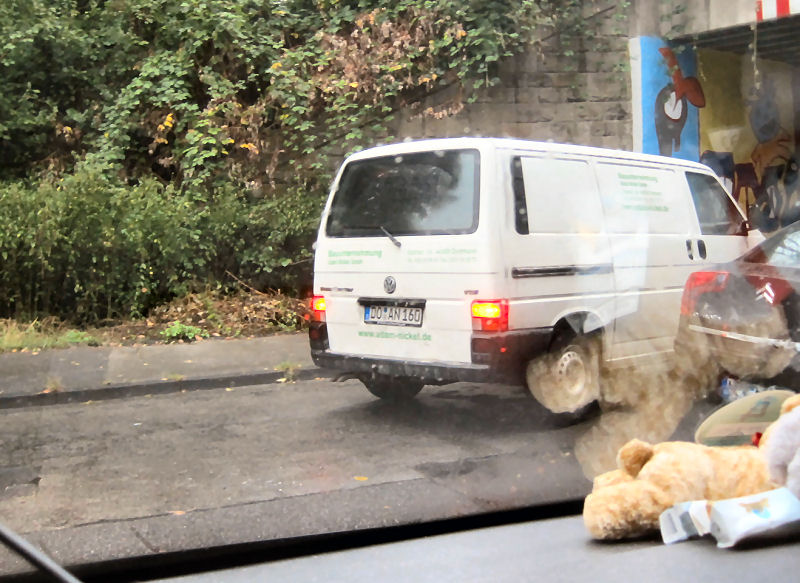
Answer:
(393, 389)
(567, 378)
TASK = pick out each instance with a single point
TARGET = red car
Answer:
(744, 316)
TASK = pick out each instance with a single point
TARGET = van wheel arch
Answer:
(575, 324)
(567, 378)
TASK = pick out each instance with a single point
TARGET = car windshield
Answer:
(781, 250)
(283, 271)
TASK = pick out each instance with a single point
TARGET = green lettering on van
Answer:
(332, 255)
(424, 337)
(637, 177)
(446, 255)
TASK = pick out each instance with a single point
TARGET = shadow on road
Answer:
(649, 405)
(461, 410)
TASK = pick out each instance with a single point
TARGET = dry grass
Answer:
(244, 314)
(39, 335)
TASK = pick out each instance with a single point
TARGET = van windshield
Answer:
(426, 193)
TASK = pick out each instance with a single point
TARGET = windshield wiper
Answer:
(392, 238)
(34, 556)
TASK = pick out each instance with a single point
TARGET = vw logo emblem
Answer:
(389, 284)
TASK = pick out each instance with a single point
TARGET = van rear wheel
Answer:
(394, 389)
(567, 378)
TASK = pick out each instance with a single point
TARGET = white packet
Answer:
(684, 521)
(776, 512)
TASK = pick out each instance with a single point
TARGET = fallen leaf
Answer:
(177, 512)
(361, 478)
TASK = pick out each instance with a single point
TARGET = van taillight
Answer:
(490, 315)
(318, 307)
(699, 283)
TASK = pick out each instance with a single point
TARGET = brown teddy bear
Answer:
(627, 502)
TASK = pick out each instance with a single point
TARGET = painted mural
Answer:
(671, 96)
(717, 108)
(747, 134)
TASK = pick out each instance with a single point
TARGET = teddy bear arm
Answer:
(781, 443)
(793, 476)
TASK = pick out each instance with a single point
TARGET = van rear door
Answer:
(398, 246)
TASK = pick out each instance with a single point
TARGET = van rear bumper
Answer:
(496, 357)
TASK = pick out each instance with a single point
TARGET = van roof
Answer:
(515, 144)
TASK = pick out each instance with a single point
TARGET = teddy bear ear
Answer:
(790, 403)
(633, 455)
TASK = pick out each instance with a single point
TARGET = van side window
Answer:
(561, 196)
(715, 210)
(520, 206)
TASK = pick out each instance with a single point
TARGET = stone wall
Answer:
(575, 93)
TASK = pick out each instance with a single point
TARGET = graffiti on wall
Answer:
(672, 104)
(751, 144)
(670, 96)
(714, 107)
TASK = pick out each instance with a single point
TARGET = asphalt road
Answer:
(302, 458)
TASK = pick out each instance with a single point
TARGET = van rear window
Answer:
(424, 193)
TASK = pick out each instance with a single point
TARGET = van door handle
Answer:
(689, 249)
(701, 248)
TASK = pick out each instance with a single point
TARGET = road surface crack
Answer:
(150, 547)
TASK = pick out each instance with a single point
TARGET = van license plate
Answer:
(393, 315)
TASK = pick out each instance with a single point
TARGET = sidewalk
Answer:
(82, 373)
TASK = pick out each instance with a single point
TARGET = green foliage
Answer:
(151, 146)
(202, 91)
(72, 337)
(88, 247)
(177, 331)
(289, 370)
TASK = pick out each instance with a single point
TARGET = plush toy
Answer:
(781, 446)
(627, 502)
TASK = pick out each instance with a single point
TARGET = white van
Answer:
(466, 259)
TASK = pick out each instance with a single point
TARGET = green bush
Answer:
(178, 331)
(88, 247)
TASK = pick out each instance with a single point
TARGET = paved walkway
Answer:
(83, 372)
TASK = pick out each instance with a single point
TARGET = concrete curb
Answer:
(156, 387)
